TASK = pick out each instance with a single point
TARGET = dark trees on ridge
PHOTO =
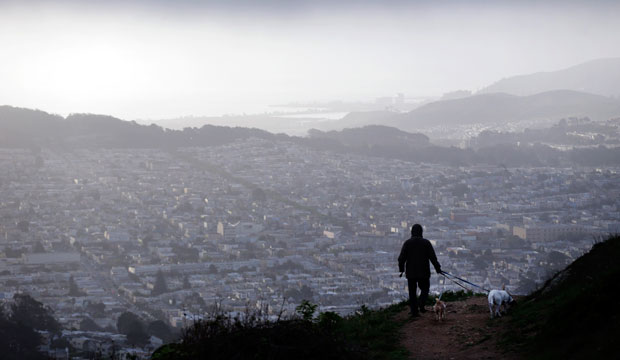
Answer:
(30, 312)
(132, 326)
(160, 285)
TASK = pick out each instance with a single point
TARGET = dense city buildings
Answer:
(255, 224)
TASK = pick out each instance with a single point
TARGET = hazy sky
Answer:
(161, 59)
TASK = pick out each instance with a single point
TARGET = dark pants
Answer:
(424, 285)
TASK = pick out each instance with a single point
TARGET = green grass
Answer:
(376, 331)
(575, 315)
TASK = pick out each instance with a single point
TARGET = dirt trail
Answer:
(467, 333)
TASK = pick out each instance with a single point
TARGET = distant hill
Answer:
(356, 119)
(590, 89)
(504, 108)
(372, 135)
(271, 123)
(24, 128)
(496, 109)
(600, 77)
(34, 128)
(575, 315)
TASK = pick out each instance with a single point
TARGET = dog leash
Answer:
(457, 283)
(450, 276)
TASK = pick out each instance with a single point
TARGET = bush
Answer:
(306, 310)
(329, 320)
(226, 338)
(365, 335)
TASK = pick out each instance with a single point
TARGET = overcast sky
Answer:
(162, 59)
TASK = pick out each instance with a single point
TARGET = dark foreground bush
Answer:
(366, 334)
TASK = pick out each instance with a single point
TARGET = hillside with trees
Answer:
(34, 129)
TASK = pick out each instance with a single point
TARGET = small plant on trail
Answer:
(329, 320)
(363, 310)
(306, 309)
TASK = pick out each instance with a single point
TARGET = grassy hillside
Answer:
(575, 314)
(364, 335)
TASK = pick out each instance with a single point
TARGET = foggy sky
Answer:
(158, 59)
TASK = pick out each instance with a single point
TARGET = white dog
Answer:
(499, 301)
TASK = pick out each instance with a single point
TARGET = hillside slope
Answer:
(372, 135)
(364, 335)
(575, 314)
(496, 108)
(601, 76)
(23, 128)
(504, 108)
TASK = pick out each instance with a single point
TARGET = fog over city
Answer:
(165, 161)
(158, 60)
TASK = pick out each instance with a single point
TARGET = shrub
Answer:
(306, 309)
(367, 334)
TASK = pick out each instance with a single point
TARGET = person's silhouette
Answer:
(414, 261)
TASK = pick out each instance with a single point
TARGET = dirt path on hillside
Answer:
(467, 333)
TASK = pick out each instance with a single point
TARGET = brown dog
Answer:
(440, 309)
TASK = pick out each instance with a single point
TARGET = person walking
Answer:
(414, 262)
